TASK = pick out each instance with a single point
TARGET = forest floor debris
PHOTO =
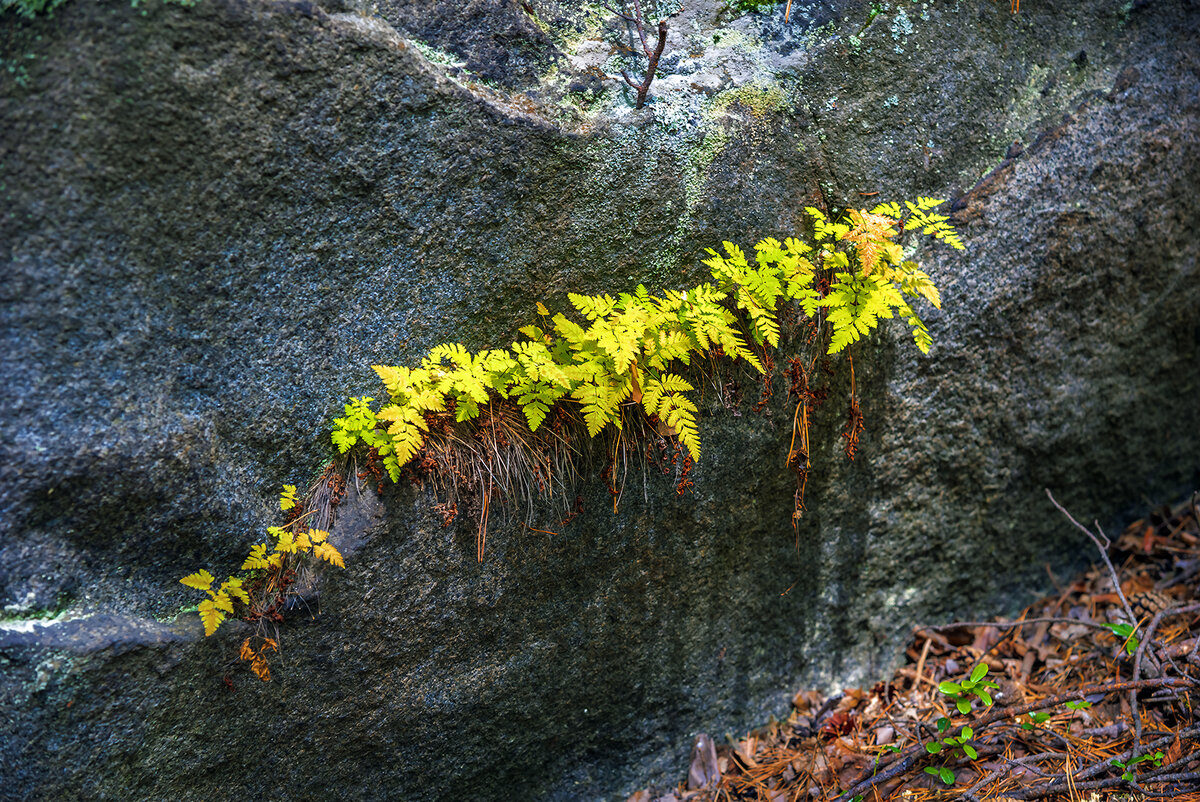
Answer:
(1087, 696)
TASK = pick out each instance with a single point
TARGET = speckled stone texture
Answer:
(215, 219)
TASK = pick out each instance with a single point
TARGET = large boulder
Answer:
(216, 218)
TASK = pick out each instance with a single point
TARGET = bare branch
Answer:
(1102, 543)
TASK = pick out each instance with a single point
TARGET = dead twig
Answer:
(653, 56)
(1103, 544)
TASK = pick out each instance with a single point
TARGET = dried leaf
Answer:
(261, 669)
(246, 652)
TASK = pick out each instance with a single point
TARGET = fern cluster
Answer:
(613, 354)
(628, 349)
(265, 561)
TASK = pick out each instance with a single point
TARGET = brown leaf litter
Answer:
(1087, 708)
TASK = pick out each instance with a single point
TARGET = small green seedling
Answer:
(975, 685)
(1125, 632)
(1156, 759)
(944, 774)
(1082, 704)
(961, 742)
(894, 748)
(1035, 720)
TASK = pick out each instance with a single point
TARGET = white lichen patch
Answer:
(902, 28)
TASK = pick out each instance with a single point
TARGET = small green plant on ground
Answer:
(955, 744)
(1035, 720)
(974, 685)
(1127, 772)
(1126, 633)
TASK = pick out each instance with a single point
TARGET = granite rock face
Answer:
(216, 218)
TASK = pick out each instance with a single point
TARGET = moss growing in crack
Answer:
(31, 612)
(758, 98)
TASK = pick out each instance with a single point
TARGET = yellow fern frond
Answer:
(870, 234)
(329, 554)
(257, 557)
(287, 499)
(221, 601)
(210, 616)
(233, 586)
(286, 543)
(201, 580)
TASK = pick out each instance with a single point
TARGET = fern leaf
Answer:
(569, 329)
(343, 440)
(257, 559)
(823, 230)
(593, 307)
(675, 384)
(221, 601)
(210, 616)
(329, 554)
(768, 251)
(678, 412)
(391, 464)
(287, 499)
(395, 379)
(870, 235)
(318, 535)
(796, 247)
(406, 432)
(233, 586)
(658, 389)
(357, 424)
(201, 580)
(736, 254)
(841, 338)
(599, 405)
(286, 544)
(535, 412)
(596, 418)
(455, 353)
(917, 282)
